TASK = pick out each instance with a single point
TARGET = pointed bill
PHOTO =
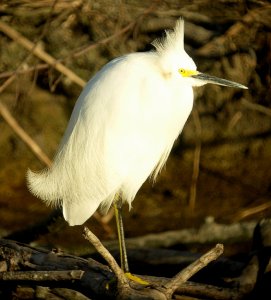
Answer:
(216, 80)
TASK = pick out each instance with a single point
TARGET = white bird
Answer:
(122, 129)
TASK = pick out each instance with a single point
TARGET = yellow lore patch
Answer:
(187, 73)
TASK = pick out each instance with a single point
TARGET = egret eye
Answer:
(182, 71)
(187, 72)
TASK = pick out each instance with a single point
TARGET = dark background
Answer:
(220, 165)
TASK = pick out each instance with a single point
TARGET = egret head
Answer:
(197, 78)
(176, 62)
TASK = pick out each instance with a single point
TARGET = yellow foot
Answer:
(130, 277)
(136, 279)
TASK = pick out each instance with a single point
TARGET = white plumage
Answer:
(122, 129)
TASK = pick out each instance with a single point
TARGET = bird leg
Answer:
(120, 228)
(122, 245)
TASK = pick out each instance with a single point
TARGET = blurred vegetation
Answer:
(221, 163)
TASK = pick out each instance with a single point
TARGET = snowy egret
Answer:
(121, 131)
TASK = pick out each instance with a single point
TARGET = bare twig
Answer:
(192, 269)
(34, 45)
(7, 83)
(16, 36)
(234, 120)
(41, 275)
(23, 135)
(23, 71)
(106, 255)
(104, 41)
(257, 107)
(196, 163)
(251, 211)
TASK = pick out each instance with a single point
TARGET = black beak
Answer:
(215, 80)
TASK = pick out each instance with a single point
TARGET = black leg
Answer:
(122, 246)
